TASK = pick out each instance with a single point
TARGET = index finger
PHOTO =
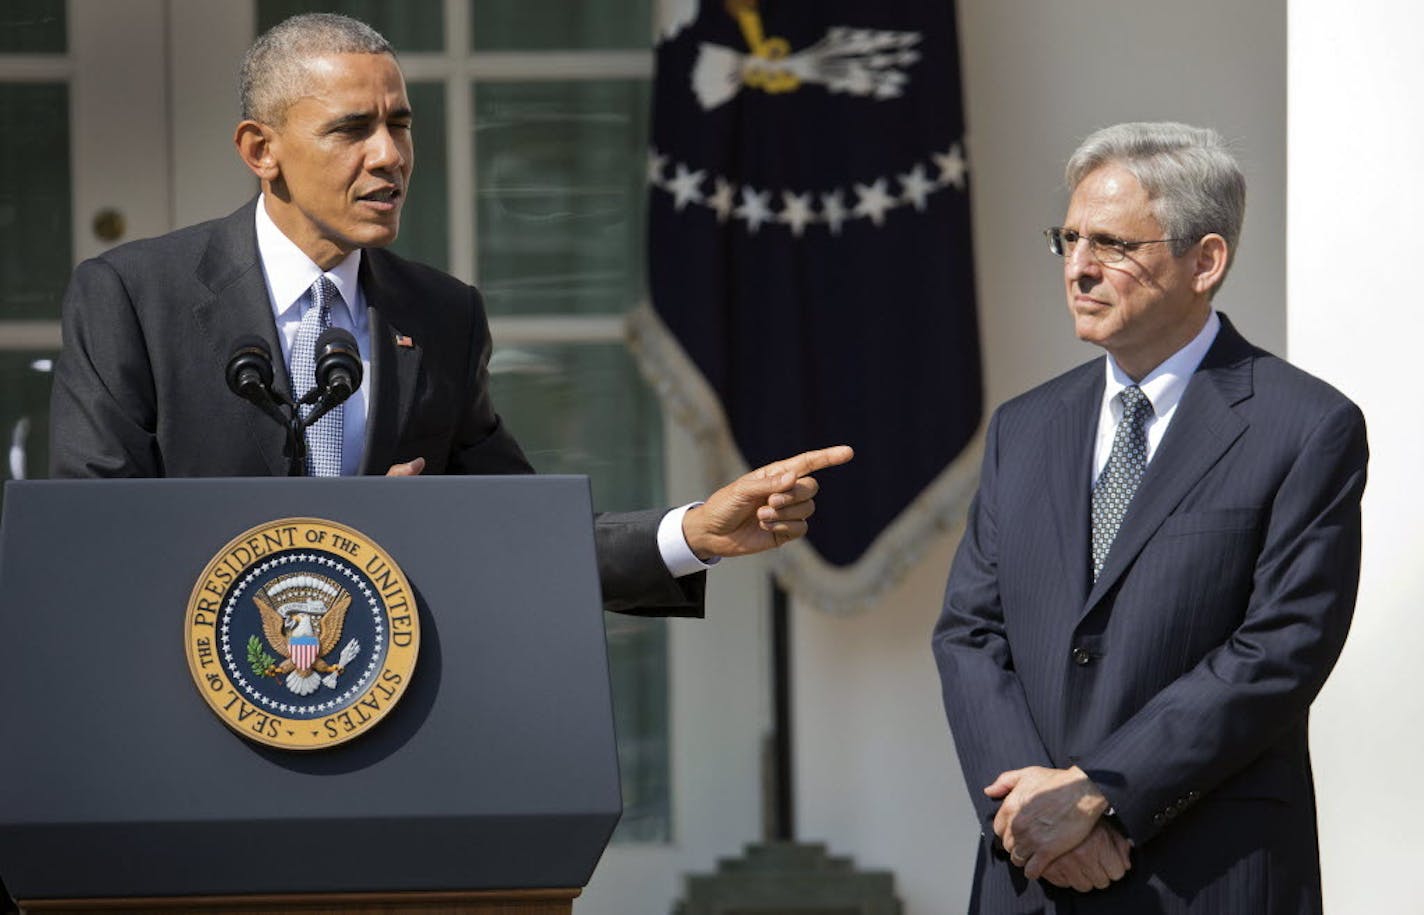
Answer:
(812, 461)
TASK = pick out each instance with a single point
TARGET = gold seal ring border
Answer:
(405, 657)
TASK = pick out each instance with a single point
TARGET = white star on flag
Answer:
(917, 187)
(872, 201)
(951, 166)
(656, 163)
(796, 212)
(686, 187)
(833, 210)
(721, 199)
(755, 208)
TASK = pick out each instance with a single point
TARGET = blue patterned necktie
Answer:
(1118, 482)
(323, 436)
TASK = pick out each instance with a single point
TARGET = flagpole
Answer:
(779, 802)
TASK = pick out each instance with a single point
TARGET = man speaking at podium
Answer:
(140, 388)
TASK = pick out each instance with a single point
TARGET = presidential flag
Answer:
(810, 267)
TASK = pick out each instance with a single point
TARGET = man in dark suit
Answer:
(148, 329)
(1157, 574)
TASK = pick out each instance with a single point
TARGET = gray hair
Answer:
(274, 68)
(1189, 174)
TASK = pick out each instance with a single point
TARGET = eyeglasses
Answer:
(1106, 248)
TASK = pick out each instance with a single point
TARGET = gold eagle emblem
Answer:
(302, 615)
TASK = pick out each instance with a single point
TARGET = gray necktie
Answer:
(1123, 471)
(323, 436)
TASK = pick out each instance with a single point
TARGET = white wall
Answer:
(1356, 195)
(205, 43)
(876, 775)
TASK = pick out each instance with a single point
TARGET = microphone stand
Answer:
(322, 400)
(250, 376)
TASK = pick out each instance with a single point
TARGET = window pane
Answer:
(545, 25)
(24, 413)
(32, 27)
(559, 195)
(424, 230)
(409, 25)
(35, 238)
(585, 409)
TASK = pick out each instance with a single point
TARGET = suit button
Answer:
(1192, 796)
(1081, 657)
(1158, 819)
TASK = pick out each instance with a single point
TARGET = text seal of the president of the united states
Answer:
(302, 633)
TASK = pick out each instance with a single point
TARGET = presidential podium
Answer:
(490, 785)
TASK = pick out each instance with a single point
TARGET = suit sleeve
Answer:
(630, 567)
(983, 698)
(635, 579)
(1244, 695)
(103, 414)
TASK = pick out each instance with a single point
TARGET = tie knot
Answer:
(1135, 405)
(324, 294)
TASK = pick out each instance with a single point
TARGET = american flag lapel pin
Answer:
(403, 341)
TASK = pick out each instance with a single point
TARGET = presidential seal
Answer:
(301, 633)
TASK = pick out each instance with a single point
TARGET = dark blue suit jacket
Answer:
(1181, 680)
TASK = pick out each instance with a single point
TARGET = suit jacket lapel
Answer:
(1203, 428)
(394, 369)
(238, 307)
(1071, 438)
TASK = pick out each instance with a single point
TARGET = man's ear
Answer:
(1210, 266)
(254, 143)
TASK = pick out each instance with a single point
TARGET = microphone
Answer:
(249, 371)
(338, 365)
(249, 376)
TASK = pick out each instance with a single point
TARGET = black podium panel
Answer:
(497, 768)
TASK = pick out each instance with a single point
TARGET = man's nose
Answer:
(384, 152)
(1080, 262)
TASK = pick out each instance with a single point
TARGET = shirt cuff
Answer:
(677, 555)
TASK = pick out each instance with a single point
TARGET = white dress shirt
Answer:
(1164, 387)
(290, 274)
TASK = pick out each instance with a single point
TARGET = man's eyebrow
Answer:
(354, 119)
(361, 118)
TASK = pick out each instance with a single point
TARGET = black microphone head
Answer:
(249, 369)
(338, 363)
